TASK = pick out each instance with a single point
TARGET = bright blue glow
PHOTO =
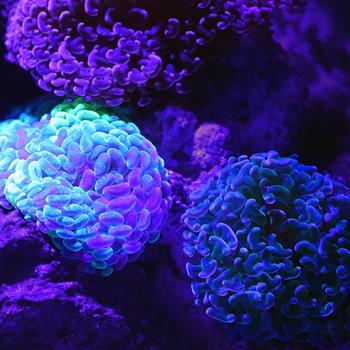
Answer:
(268, 247)
(91, 181)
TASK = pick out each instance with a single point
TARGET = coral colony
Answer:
(112, 51)
(268, 244)
(92, 182)
(266, 240)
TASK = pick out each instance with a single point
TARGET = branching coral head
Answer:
(90, 180)
(114, 51)
(268, 244)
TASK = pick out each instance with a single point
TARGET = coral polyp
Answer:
(92, 182)
(114, 51)
(268, 244)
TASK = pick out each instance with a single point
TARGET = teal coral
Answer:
(92, 182)
(268, 244)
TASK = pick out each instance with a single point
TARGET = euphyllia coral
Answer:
(116, 50)
(90, 180)
(268, 244)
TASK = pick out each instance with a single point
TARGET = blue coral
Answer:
(268, 248)
(91, 181)
(114, 51)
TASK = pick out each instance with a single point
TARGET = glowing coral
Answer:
(268, 244)
(116, 50)
(90, 180)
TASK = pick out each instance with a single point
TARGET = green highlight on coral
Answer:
(90, 180)
(268, 248)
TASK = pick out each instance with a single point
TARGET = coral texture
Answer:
(291, 95)
(115, 50)
(92, 182)
(268, 244)
(210, 140)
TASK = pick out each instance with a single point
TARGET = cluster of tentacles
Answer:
(117, 51)
(268, 243)
(91, 181)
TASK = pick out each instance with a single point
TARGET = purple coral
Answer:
(115, 51)
(91, 181)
